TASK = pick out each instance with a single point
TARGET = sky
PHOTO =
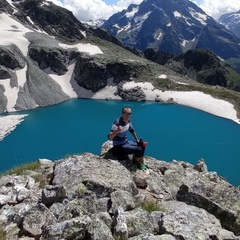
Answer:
(86, 10)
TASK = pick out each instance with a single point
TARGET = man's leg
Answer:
(119, 152)
(132, 148)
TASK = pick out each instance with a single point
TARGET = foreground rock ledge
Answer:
(91, 197)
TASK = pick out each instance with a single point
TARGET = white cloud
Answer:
(215, 8)
(85, 10)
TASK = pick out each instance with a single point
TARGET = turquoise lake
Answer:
(81, 125)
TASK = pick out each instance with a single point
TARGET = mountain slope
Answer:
(232, 22)
(173, 26)
(38, 69)
(200, 65)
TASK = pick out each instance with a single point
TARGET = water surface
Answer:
(173, 132)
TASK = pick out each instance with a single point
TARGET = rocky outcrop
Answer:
(47, 53)
(54, 58)
(52, 19)
(200, 65)
(133, 94)
(5, 7)
(39, 90)
(95, 197)
(11, 57)
(3, 102)
(93, 73)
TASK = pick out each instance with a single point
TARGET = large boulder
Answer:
(11, 57)
(90, 173)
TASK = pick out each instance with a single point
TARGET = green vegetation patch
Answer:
(150, 206)
(19, 170)
(234, 63)
(3, 235)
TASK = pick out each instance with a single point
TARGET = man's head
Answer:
(126, 113)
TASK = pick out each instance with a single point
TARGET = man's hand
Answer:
(141, 143)
(119, 129)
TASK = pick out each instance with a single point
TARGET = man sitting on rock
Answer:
(121, 144)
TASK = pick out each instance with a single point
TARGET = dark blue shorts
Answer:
(131, 147)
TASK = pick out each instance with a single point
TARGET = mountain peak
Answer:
(173, 26)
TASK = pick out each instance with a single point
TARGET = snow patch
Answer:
(9, 123)
(88, 48)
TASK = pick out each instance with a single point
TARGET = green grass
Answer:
(2, 234)
(19, 170)
(119, 238)
(234, 63)
(41, 179)
(33, 166)
(150, 206)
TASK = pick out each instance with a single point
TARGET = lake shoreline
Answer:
(193, 99)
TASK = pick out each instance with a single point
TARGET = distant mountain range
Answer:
(232, 22)
(172, 26)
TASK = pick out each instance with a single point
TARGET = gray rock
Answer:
(56, 209)
(52, 194)
(120, 224)
(201, 166)
(98, 175)
(39, 90)
(4, 199)
(36, 219)
(139, 222)
(12, 231)
(188, 222)
(133, 94)
(15, 189)
(98, 230)
(11, 57)
(90, 197)
(22, 194)
(106, 218)
(121, 199)
(4, 100)
(55, 58)
(75, 228)
(103, 204)
(150, 236)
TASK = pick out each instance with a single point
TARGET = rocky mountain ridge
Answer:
(173, 27)
(96, 197)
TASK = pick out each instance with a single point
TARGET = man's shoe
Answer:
(141, 166)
